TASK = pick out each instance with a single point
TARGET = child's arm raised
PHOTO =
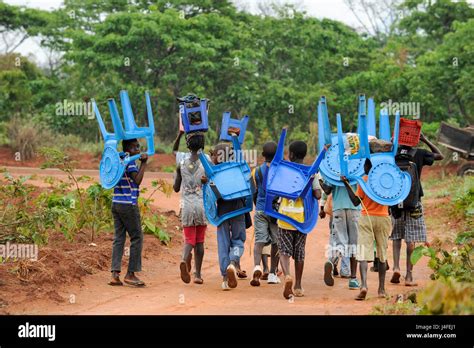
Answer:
(176, 142)
(354, 199)
(138, 177)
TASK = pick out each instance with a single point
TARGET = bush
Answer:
(24, 137)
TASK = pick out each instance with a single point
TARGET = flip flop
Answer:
(198, 280)
(115, 282)
(328, 277)
(231, 277)
(257, 274)
(241, 274)
(288, 291)
(395, 277)
(362, 295)
(137, 283)
(410, 283)
(185, 276)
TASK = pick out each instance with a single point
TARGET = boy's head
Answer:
(298, 151)
(132, 146)
(269, 150)
(367, 166)
(221, 152)
(195, 141)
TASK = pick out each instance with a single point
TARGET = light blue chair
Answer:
(227, 181)
(331, 165)
(113, 162)
(386, 183)
(292, 180)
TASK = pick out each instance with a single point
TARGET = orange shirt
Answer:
(373, 208)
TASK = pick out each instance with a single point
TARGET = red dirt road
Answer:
(165, 293)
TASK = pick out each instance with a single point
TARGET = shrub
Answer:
(24, 137)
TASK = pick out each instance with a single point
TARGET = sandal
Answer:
(395, 277)
(241, 274)
(185, 276)
(198, 280)
(362, 295)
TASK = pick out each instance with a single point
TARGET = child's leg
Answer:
(119, 239)
(382, 232)
(237, 239)
(299, 254)
(285, 246)
(133, 225)
(265, 263)
(274, 257)
(189, 242)
(199, 249)
(352, 220)
(261, 235)
(223, 246)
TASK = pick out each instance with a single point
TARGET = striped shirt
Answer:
(127, 191)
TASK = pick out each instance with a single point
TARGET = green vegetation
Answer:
(29, 214)
(273, 67)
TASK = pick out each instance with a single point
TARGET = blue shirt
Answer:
(260, 181)
(340, 198)
(127, 191)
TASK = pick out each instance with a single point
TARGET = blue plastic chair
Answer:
(331, 165)
(386, 183)
(292, 180)
(113, 162)
(185, 111)
(227, 181)
(232, 122)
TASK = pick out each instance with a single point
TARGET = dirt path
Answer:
(165, 293)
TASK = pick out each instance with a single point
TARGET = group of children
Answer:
(358, 225)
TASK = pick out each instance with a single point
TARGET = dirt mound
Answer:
(62, 263)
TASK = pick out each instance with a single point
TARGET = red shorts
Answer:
(194, 234)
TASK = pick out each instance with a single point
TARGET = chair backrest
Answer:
(228, 122)
(185, 117)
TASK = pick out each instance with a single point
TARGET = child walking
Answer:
(374, 225)
(189, 173)
(266, 229)
(231, 233)
(291, 242)
(127, 218)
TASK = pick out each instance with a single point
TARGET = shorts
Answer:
(291, 243)
(345, 227)
(412, 229)
(373, 229)
(265, 230)
(194, 234)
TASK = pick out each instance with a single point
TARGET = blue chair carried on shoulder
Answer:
(330, 167)
(113, 162)
(292, 180)
(227, 181)
(386, 184)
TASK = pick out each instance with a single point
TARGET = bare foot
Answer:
(382, 293)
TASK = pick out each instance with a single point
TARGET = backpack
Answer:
(405, 161)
